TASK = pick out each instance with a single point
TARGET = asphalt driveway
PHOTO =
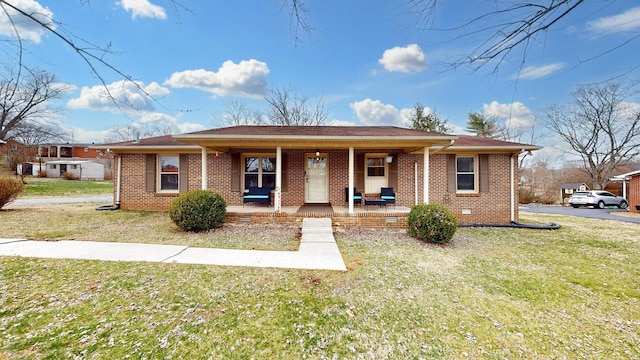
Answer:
(604, 214)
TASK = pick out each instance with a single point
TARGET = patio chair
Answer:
(387, 194)
(357, 196)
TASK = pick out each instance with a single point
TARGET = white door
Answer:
(316, 179)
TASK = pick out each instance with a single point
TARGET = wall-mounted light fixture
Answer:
(388, 159)
(317, 152)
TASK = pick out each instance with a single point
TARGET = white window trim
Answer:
(372, 184)
(476, 173)
(243, 158)
(159, 174)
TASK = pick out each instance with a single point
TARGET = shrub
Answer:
(432, 223)
(69, 176)
(198, 210)
(9, 190)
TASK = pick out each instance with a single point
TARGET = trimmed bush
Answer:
(9, 190)
(432, 223)
(198, 210)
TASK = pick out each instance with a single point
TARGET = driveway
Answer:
(604, 214)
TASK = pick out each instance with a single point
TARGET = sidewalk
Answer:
(318, 250)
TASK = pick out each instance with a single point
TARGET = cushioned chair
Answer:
(357, 196)
(387, 194)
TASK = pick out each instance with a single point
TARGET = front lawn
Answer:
(492, 293)
(46, 187)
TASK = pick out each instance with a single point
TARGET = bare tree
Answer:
(600, 127)
(135, 131)
(24, 95)
(286, 107)
(238, 113)
(422, 119)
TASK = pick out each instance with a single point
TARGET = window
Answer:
(66, 151)
(259, 171)
(466, 179)
(169, 172)
(375, 166)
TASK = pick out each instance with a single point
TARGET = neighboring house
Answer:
(57, 151)
(80, 169)
(476, 178)
(631, 188)
(568, 188)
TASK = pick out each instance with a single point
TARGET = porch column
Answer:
(425, 176)
(204, 168)
(351, 178)
(278, 191)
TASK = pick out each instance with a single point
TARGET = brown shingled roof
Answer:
(270, 130)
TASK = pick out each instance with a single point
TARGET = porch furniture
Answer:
(257, 195)
(379, 202)
(357, 196)
(387, 194)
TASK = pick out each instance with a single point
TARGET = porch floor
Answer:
(338, 210)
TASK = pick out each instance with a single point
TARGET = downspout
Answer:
(118, 181)
(118, 184)
(513, 186)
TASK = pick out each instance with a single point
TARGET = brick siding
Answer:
(490, 207)
(633, 192)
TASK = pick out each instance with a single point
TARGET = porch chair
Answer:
(357, 196)
(387, 194)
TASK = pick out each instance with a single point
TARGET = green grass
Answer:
(490, 294)
(44, 187)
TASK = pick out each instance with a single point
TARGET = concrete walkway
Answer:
(318, 251)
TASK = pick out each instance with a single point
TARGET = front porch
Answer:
(371, 216)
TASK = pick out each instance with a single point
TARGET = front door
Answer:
(316, 179)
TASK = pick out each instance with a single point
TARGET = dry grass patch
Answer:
(489, 294)
(83, 222)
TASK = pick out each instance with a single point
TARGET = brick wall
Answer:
(490, 207)
(633, 192)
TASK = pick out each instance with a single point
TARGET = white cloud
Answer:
(537, 72)
(404, 59)
(143, 8)
(129, 95)
(374, 112)
(190, 127)
(246, 79)
(515, 114)
(84, 136)
(12, 21)
(337, 122)
(626, 21)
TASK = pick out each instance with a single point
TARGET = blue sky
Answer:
(366, 60)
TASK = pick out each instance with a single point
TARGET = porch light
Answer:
(317, 152)
(388, 159)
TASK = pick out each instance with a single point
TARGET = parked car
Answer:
(597, 198)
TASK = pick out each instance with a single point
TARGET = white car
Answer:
(598, 199)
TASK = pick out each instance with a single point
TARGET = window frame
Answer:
(159, 174)
(385, 165)
(475, 173)
(261, 173)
